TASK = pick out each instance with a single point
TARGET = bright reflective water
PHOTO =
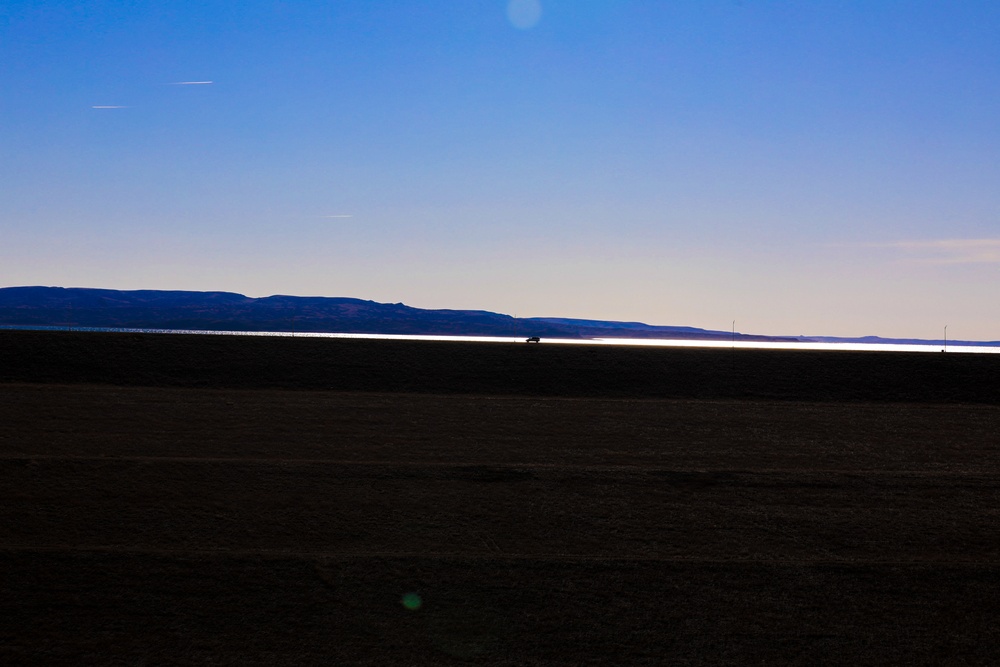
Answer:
(744, 345)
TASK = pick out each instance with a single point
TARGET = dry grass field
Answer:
(229, 500)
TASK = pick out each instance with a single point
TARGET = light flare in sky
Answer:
(524, 14)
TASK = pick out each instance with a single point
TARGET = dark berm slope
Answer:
(186, 499)
(251, 362)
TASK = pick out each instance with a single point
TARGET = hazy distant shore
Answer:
(85, 309)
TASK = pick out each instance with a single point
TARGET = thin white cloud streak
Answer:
(108, 106)
(192, 83)
(948, 251)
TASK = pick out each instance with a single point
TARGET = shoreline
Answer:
(744, 342)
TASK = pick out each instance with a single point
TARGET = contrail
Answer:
(191, 83)
(108, 106)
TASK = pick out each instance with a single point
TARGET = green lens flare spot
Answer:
(412, 601)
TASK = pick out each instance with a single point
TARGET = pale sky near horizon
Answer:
(801, 167)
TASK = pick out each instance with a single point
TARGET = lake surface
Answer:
(957, 347)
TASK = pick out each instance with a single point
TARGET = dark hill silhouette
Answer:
(228, 311)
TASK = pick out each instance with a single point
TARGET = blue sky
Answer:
(814, 167)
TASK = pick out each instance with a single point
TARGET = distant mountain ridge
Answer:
(228, 311)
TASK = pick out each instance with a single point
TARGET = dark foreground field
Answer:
(214, 500)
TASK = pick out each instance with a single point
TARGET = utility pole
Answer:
(732, 354)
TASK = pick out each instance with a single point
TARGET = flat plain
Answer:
(239, 500)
